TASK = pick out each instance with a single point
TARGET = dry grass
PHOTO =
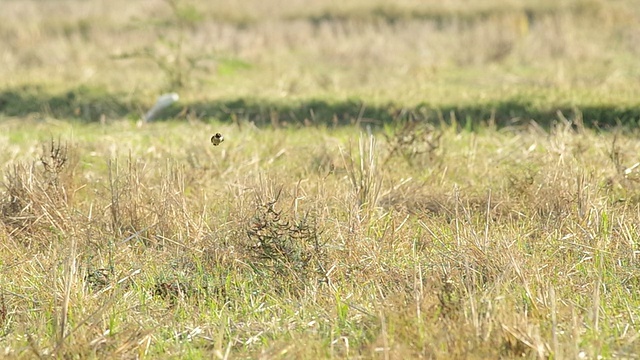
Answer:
(371, 240)
(440, 52)
(150, 242)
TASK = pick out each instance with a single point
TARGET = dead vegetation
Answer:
(511, 244)
(442, 53)
(452, 238)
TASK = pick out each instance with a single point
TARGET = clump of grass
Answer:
(363, 174)
(98, 279)
(416, 142)
(53, 159)
(171, 290)
(4, 314)
(288, 248)
(38, 194)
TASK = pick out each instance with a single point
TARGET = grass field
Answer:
(425, 179)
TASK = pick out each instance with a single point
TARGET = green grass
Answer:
(417, 180)
(477, 248)
(84, 60)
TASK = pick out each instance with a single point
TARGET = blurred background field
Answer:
(297, 60)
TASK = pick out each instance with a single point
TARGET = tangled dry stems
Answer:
(474, 255)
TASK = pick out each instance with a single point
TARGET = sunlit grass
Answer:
(416, 180)
(408, 54)
(481, 246)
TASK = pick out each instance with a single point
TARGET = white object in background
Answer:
(163, 102)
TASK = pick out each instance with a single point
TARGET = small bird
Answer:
(217, 139)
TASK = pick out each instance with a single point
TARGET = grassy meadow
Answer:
(407, 179)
